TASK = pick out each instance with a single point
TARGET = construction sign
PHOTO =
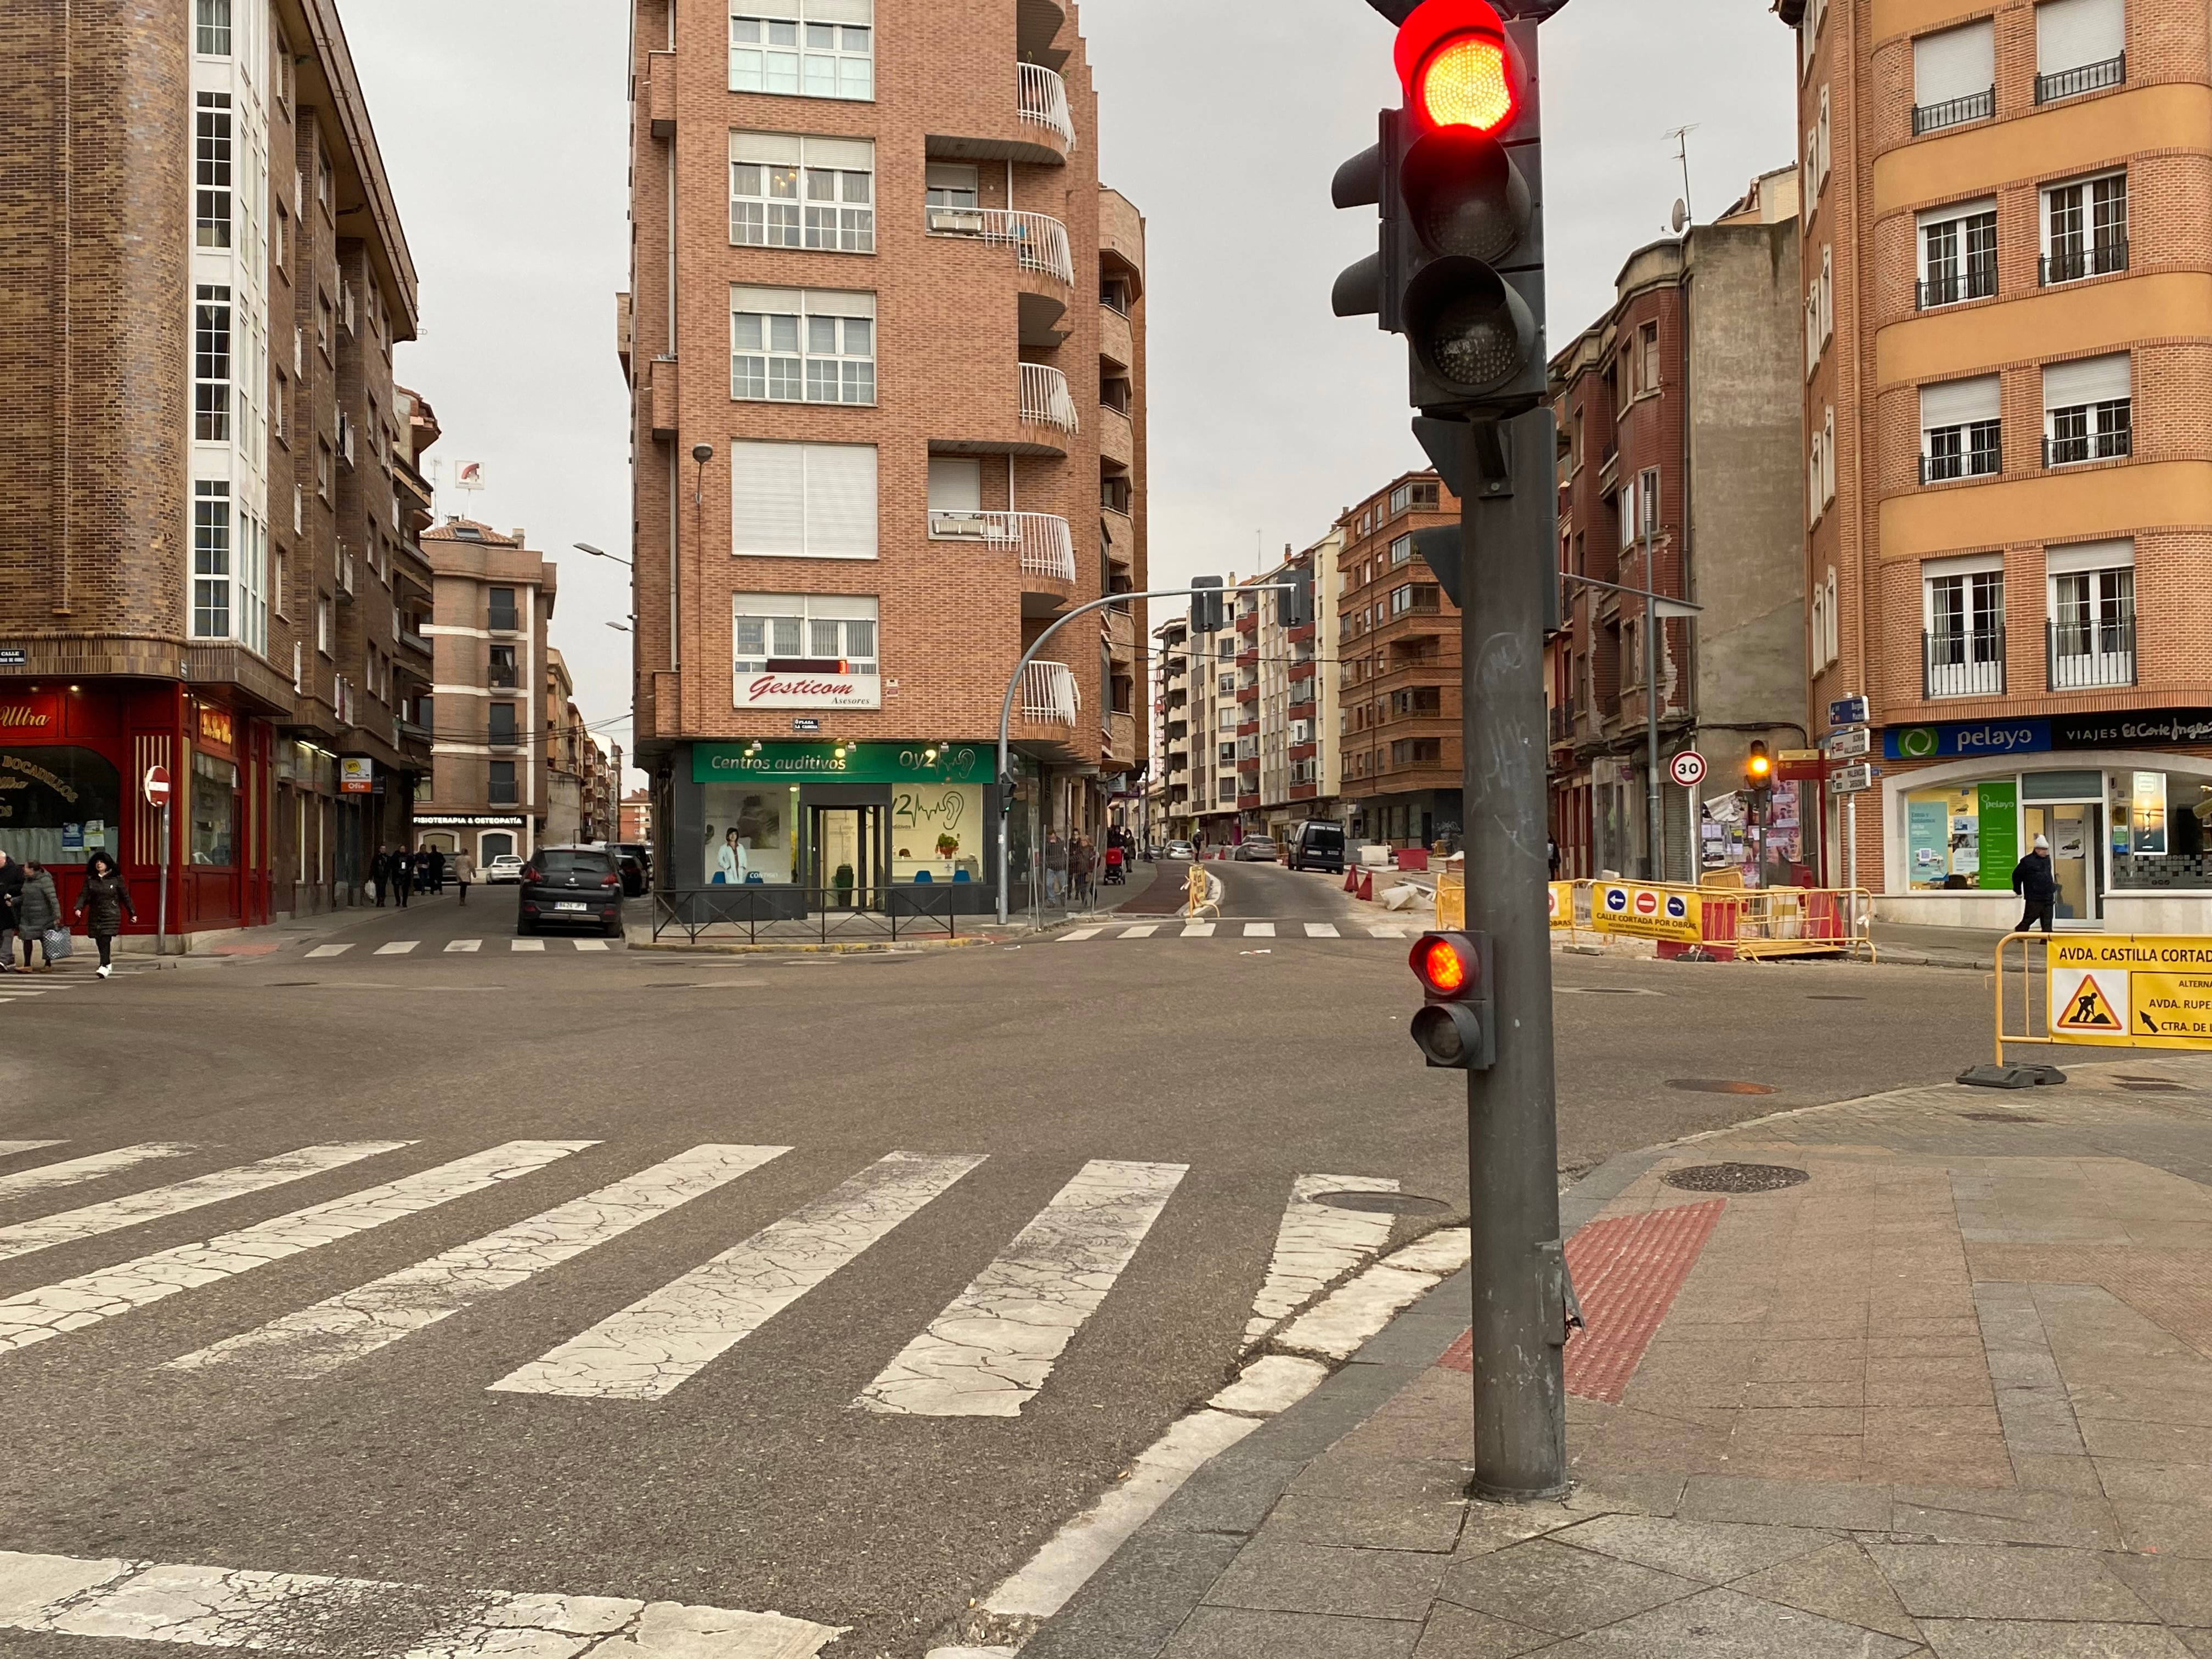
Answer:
(1644, 912)
(2150, 991)
(1562, 903)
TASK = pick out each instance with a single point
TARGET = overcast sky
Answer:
(503, 126)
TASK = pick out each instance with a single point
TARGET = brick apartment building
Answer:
(204, 561)
(2009, 473)
(1169, 815)
(1678, 415)
(888, 373)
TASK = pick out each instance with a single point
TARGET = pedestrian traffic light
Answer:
(1456, 1027)
(1459, 268)
(1758, 766)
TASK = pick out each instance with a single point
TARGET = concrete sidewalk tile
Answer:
(2198, 1642)
(2074, 1475)
(1795, 1457)
(1839, 1505)
(1994, 1638)
(1832, 1393)
(1920, 1423)
(1793, 1421)
(1406, 1480)
(1455, 1632)
(1826, 1361)
(2179, 1591)
(1967, 1515)
(2167, 1528)
(1369, 1523)
(1722, 1624)
(1982, 1581)
(1297, 1577)
(1549, 1585)
(1489, 1528)
(1234, 1633)
(1714, 1552)
(2153, 1482)
(2149, 1442)
(1133, 1604)
(1837, 1583)
(1625, 1493)
(1227, 1495)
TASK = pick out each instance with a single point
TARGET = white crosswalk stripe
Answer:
(318, 1339)
(653, 1346)
(1259, 930)
(1322, 930)
(1144, 931)
(398, 947)
(71, 1304)
(1389, 932)
(9, 1148)
(989, 1352)
(76, 1169)
(1315, 1244)
(1198, 930)
(93, 1219)
(526, 944)
(328, 951)
(1080, 934)
(591, 945)
(463, 945)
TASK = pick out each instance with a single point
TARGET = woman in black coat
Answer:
(102, 904)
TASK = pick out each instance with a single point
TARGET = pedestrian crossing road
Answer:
(1232, 929)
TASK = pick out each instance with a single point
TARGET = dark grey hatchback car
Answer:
(571, 887)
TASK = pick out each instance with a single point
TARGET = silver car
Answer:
(507, 867)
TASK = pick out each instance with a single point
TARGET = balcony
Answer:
(1117, 437)
(1040, 241)
(2072, 263)
(1983, 458)
(1049, 697)
(1045, 398)
(1247, 694)
(2082, 654)
(1563, 722)
(1978, 281)
(1044, 104)
(661, 411)
(1046, 544)
(2089, 77)
(503, 620)
(1967, 663)
(1954, 111)
(414, 641)
(2111, 445)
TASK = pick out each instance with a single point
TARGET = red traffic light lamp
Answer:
(1456, 1029)
(1456, 67)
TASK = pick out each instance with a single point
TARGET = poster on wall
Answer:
(2147, 814)
(1927, 840)
(1998, 809)
(937, 832)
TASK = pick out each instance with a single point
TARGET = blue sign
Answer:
(1848, 711)
(1616, 900)
(1967, 740)
(1678, 907)
(72, 839)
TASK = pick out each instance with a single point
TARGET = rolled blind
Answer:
(2090, 380)
(1958, 403)
(767, 491)
(840, 11)
(2069, 33)
(840, 500)
(956, 485)
(1956, 63)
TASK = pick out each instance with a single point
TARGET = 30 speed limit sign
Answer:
(1688, 768)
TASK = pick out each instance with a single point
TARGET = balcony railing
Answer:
(1954, 111)
(1039, 241)
(1044, 102)
(1978, 281)
(2107, 445)
(1983, 460)
(2071, 264)
(1563, 722)
(1966, 664)
(2089, 77)
(2082, 654)
(503, 622)
(1045, 398)
(1050, 695)
(1046, 544)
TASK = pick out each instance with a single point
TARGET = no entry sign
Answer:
(1687, 768)
(157, 785)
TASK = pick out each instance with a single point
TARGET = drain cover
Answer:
(1718, 1085)
(2000, 1117)
(2145, 1087)
(1383, 1203)
(1734, 1177)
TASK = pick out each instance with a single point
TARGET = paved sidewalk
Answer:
(1948, 1394)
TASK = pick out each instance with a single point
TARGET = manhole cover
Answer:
(2000, 1117)
(2131, 1077)
(1734, 1177)
(1383, 1203)
(1718, 1085)
(2144, 1086)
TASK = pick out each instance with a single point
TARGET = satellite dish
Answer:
(1681, 216)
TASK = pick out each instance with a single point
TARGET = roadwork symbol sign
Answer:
(2087, 1009)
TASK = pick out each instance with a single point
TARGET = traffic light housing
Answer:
(1757, 767)
(1457, 177)
(1456, 1028)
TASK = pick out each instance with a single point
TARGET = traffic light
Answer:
(1456, 1028)
(1757, 767)
(1459, 268)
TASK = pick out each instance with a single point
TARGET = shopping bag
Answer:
(57, 943)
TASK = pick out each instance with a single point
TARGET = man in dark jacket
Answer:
(379, 871)
(11, 894)
(2037, 883)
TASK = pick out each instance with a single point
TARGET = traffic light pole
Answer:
(1522, 1296)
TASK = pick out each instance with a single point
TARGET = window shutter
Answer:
(956, 485)
(1956, 63)
(772, 149)
(840, 500)
(2069, 33)
(768, 489)
(2091, 380)
(2088, 556)
(840, 11)
(1958, 403)
(852, 154)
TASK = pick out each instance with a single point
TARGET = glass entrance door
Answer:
(2075, 829)
(847, 848)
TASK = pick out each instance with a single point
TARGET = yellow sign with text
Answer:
(1669, 912)
(2148, 991)
(1562, 903)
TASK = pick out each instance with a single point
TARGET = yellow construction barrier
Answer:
(1200, 895)
(1452, 896)
(2113, 990)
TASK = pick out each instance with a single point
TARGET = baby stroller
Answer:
(1117, 874)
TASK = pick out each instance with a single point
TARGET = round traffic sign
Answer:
(157, 785)
(1688, 768)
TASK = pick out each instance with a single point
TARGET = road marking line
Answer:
(1389, 932)
(289, 1611)
(398, 947)
(1259, 930)
(526, 944)
(1356, 1310)
(317, 1340)
(1315, 1244)
(329, 951)
(1145, 932)
(87, 1168)
(70, 1226)
(464, 944)
(73, 1303)
(9, 1148)
(591, 944)
(1322, 930)
(1274, 1383)
(657, 1343)
(990, 1351)
(1198, 930)
(1080, 934)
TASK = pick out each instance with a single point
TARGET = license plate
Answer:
(571, 904)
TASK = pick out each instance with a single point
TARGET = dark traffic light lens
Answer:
(1466, 196)
(1472, 330)
(1448, 1033)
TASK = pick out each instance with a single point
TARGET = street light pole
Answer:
(1014, 684)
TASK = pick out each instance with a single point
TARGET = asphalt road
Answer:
(752, 1481)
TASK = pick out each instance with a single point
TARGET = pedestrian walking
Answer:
(463, 869)
(11, 890)
(37, 911)
(101, 906)
(379, 873)
(424, 873)
(403, 879)
(1055, 868)
(1082, 860)
(438, 870)
(2037, 883)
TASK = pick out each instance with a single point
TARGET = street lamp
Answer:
(619, 628)
(601, 553)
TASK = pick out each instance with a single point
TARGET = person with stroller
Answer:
(1117, 874)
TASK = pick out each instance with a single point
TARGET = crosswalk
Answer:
(990, 1352)
(408, 947)
(1239, 930)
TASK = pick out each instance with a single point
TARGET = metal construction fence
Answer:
(1755, 923)
(762, 914)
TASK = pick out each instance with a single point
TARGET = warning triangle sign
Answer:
(2089, 1009)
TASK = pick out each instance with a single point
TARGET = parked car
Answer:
(506, 867)
(1256, 850)
(571, 886)
(638, 850)
(634, 875)
(1317, 844)
(1179, 849)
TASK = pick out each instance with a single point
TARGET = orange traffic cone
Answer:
(1367, 886)
(1351, 880)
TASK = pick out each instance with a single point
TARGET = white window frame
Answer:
(775, 340)
(775, 179)
(1967, 432)
(2102, 575)
(2086, 185)
(817, 523)
(214, 559)
(214, 156)
(215, 345)
(1956, 219)
(803, 48)
(2101, 419)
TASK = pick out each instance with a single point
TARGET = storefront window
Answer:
(214, 809)
(753, 835)
(1963, 838)
(58, 805)
(2160, 835)
(938, 833)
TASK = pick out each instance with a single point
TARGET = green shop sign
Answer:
(841, 763)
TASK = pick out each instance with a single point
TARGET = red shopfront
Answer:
(73, 759)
